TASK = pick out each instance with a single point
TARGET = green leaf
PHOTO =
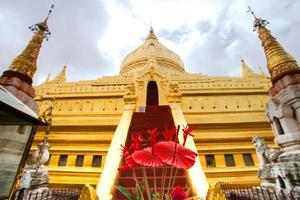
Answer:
(168, 197)
(125, 192)
(144, 179)
(152, 195)
(139, 196)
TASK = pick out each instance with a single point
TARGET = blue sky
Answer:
(92, 37)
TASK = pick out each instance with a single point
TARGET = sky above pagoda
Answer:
(92, 37)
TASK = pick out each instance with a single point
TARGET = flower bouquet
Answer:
(149, 155)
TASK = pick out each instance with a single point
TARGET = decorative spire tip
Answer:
(258, 22)
(251, 12)
(151, 34)
(42, 26)
(151, 31)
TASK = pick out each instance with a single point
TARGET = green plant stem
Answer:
(170, 180)
(162, 185)
(137, 183)
(146, 183)
(155, 189)
(174, 178)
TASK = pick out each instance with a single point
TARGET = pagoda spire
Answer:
(24, 65)
(279, 61)
(246, 71)
(151, 34)
(261, 72)
(61, 76)
(18, 78)
(48, 77)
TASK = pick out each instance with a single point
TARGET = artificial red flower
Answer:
(136, 140)
(186, 132)
(169, 133)
(123, 168)
(125, 150)
(147, 156)
(178, 193)
(153, 134)
(175, 154)
(129, 162)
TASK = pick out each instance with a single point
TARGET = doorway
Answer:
(152, 94)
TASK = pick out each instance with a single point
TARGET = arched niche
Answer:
(152, 94)
(278, 126)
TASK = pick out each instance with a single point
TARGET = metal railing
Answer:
(51, 194)
(247, 192)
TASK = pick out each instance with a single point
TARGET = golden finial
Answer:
(251, 11)
(48, 77)
(279, 62)
(258, 22)
(25, 63)
(261, 72)
(246, 71)
(61, 76)
(42, 26)
(151, 34)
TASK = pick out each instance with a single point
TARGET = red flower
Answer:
(169, 133)
(186, 132)
(146, 158)
(125, 150)
(177, 193)
(175, 154)
(136, 140)
(123, 168)
(129, 162)
(153, 134)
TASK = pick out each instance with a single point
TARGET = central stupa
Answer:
(151, 47)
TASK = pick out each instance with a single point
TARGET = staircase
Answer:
(153, 117)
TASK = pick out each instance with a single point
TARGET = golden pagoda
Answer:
(279, 62)
(25, 63)
(91, 119)
(18, 78)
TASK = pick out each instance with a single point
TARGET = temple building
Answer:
(226, 112)
(92, 118)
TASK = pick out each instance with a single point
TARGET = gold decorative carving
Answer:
(215, 193)
(130, 89)
(226, 103)
(87, 106)
(88, 193)
(174, 88)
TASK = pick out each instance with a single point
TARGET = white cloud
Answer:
(210, 36)
(128, 26)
